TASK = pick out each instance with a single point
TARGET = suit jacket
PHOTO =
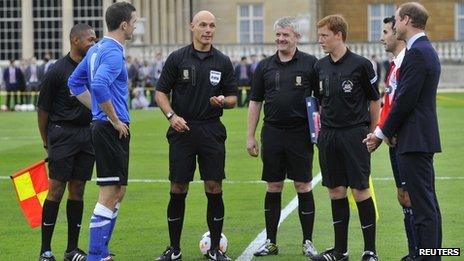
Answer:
(28, 74)
(243, 82)
(19, 85)
(413, 116)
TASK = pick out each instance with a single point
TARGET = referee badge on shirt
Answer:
(298, 81)
(214, 77)
(347, 86)
(185, 74)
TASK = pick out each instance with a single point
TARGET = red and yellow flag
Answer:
(352, 202)
(31, 185)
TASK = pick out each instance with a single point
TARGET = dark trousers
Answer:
(417, 169)
(240, 101)
(8, 98)
(32, 95)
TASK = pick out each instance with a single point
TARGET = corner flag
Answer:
(31, 185)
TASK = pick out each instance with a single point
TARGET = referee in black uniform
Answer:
(350, 107)
(64, 125)
(202, 83)
(282, 81)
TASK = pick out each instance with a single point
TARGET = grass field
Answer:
(141, 231)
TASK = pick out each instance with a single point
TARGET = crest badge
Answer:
(347, 86)
(185, 74)
(298, 80)
(214, 77)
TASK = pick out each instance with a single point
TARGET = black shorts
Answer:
(205, 140)
(286, 152)
(65, 140)
(75, 167)
(111, 154)
(399, 181)
(343, 158)
(70, 152)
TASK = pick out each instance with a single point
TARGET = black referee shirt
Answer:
(194, 80)
(284, 86)
(55, 97)
(345, 88)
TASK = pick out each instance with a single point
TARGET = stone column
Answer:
(180, 25)
(171, 22)
(313, 10)
(187, 9)
(154, 21)
(68, 22)
(27, 24)
(106, 4)
(164, 21)
(145, 12)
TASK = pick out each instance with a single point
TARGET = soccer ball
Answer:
(205, 243)
(30, 107)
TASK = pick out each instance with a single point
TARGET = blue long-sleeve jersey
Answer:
(103, 72)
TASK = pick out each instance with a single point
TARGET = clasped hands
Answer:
(373, 142)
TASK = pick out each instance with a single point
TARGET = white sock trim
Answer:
(99, 224)
(101, 210)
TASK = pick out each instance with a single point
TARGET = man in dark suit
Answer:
(33, 76)
(243, 76)
(412, 124)
(14, 81)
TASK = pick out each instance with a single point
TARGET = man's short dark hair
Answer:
(416, 12)
(117, 13)
(390, 19)
(78, 29)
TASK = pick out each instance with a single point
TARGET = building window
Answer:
(10, 30)
(459, 21)
(47, 16)
(89, 12)
(250, 23)
(376, 14)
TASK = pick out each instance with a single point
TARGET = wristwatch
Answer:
(169, 115)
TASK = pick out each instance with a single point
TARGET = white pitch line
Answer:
(167, 181)
(244, 181)
(248, 252)
(437, 178)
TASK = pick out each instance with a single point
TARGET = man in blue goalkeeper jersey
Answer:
(100, 83)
